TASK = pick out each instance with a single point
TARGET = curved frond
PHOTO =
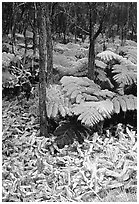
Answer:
(100, 64)
(56, 102)
(124, 74)
(108, 56)
(90, 113)
(129, 52)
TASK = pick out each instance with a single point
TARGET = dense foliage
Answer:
(69, 69)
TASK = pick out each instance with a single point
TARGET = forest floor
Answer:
(102, 169)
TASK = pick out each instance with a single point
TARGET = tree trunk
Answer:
(42, 78)
(122, 36)
(34, 38)
(92, 37)
(75, 31)
(91, 57)
(13, 28)
(49, 45)
(25, 52)
(35, 30)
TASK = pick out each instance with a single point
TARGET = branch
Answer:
(76, 24)
(72, 19)
(101, 24)
(98, 31)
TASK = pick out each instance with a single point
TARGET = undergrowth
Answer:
(102, 168)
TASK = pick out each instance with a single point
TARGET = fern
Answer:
(68, 131)
(124, 74)
(108, 56)
(56, 102)
(80, 89)
(129, 52)
(91, 113)
(74, 87)
(100, 64)
(124, 103)
(6, 59)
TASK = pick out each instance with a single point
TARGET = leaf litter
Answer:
(101, 169)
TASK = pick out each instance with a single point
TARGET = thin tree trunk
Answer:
(13, 28)
(91, 57)
(35, 30)
(75, 32)
(34, 38)
(42, 80)
(25, 52)
(49, 45)
(92, 37)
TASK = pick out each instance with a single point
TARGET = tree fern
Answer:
(90, 113)
(129, 52)
(56, 102)
(100, 64)
(108, 56)
(124, 103)
(124, 74)
(68, 131)
(80, 89)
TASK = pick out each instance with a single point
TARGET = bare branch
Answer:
(72, 19)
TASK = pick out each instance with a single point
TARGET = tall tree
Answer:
(49, 43)
(93, 7)
(42, 65)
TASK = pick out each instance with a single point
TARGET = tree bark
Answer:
(91, 57)
(34, 38)
(92, 37)
(25, 40)
(49, 44)
(35, 30)
(42, 64)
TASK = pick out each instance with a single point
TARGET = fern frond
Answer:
(104, 94)
(129, 52)
(124, 74)
(100, 64)
(74, 87)
(90, 113)
(125, 103)
(108, 55)
(84, 81)
(132, 56)
(116, 105)
(68, 131)
(88, 97)
(79, 98)
(56, 102)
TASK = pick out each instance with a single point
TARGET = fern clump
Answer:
(81, 100)
(119, 72)
(79, 89)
